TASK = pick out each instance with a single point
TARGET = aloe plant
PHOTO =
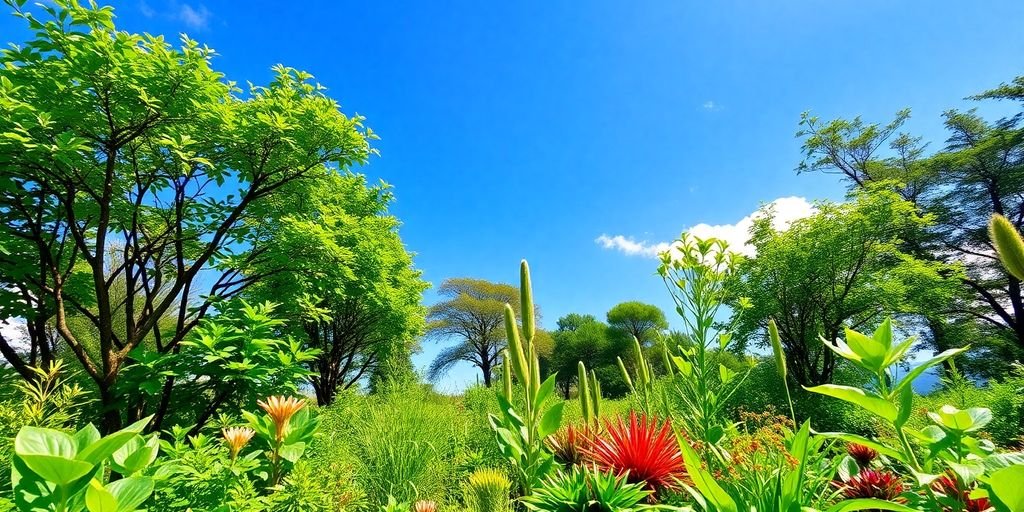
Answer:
(521, 430)
(55, 471)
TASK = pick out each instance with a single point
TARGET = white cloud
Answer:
(710, 106)
(195, 17)
(632, 247)
(787, 210)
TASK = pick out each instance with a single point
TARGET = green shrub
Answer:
(762, 392)
(1004, 397)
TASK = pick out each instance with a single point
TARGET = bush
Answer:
(1004, 397)
(763, 392)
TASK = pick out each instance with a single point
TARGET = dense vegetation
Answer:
(218, 314)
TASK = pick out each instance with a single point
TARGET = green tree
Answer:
(472, 312)
(841, 267)
(344, 278)
(117, 140)
(634, 319)
(979, 172)
(579, 338)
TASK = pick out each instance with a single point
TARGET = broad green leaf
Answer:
(1002, 460)
(136, 455)
(961, 420)
(1006, 486)
(848, 468)
(100, 450)
(867, 401)
(292, 452)
(869, 504)
(552, 420)
(906, 406)
(871, 351)
(86, 436)
(705, 483)
(546, 389)
(98, 499)
(131, 492)
(58, 470)
(44, 441)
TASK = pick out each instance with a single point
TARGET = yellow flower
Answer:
(281, 410)
(237, 438)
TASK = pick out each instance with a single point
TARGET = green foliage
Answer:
(521, 431)
(954, 186)
(234, 475)
(345, 281)
(1005, 397)
(56, 471)
(843, 265)
(229, 361)
(159, 158)
(581, 339)
(588, 489)
(762, 392)
(948, 444)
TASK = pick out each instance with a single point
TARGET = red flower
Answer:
(862, 454)
(947, 485)
(649, 452)
(873, 484)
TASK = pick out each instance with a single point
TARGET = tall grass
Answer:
(406, 445)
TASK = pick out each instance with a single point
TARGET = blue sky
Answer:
(529, 129)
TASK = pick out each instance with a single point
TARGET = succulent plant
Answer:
(643, 448)
(487, 490)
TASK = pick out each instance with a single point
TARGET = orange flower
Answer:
(281, 410)
(237, 438)
(425, 506)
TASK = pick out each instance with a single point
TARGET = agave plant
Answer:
(487, 490)
(643, 448)
(588, 489)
